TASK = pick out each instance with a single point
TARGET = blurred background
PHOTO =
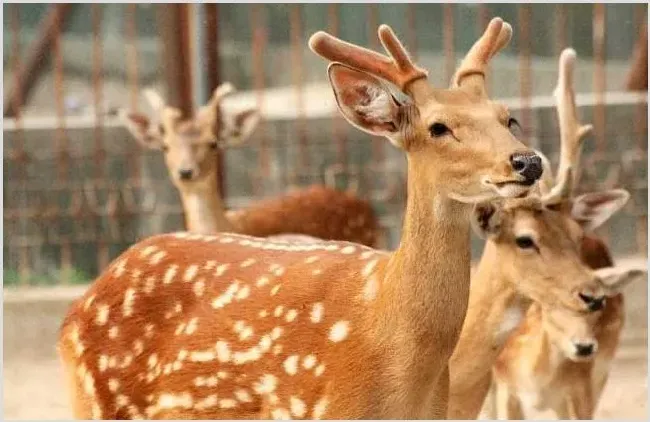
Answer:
(78, 189)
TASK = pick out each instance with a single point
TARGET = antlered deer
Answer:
(190, 148)
(230, 326)
(536, 248)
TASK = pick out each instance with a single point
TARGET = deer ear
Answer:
(615, 279)
(486, 219)
(593, 209)
(147, 133)
(238, 127)
(365, 102)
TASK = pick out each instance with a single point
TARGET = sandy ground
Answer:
(34, 387)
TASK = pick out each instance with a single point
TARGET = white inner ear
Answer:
(379, 107)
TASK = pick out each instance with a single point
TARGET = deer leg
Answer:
(441, 396)
(507, 404)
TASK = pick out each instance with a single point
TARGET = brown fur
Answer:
(389, 324)
(192, 144)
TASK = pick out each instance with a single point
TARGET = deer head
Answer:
(536, 242)
(190, 145)
(454, 138)
(576, 334)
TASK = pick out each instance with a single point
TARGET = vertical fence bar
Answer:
(337, 122)
(411, 31)
(131, 54)
(24, 269)
(598, 27)
(213, 76)
(525, 77)
(377, 147)
(482, 20)
(448, 40)
(560, 28)
(99, 154)
(61, 142)
(297, 67)
(258, 47)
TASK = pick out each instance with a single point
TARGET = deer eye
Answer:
(438, 129)
(213, 145)
(525, 242)
(515, 127)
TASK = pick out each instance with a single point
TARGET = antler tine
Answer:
(471, 71)
(399, 69)
(154, 99)
(572, 133)
(221, 92)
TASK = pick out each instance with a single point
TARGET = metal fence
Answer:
(78, 190)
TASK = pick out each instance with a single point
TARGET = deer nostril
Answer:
(593, 303)
(584, 349)
(528, 164)
(185, 174)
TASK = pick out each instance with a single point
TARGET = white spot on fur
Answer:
(89, 302)
(226, 240)
(102, 363)
(121, 400)
(369, 268)
(206, 403)
(276, 333)
(262, 281)
(291, 364)
(263, 313)
(316, 313)
(227, 296)
(171, 401)
(319, 370)
(319, 408)
(209, 265)
(170, 274)
(243, 293)
(102, 314)
(247, 263)
(275, 290)
(243, 395)
(202, 355)
(291, 315)
(191, 326)
(148, 330)
(367, 254)
(113, 385)
(138, 347)
(113, 332)
(120, 268)
(298, 408)
(278, 311)
(223, 351)
(157, 257)
(266, 385)
(221, 269)
(227, 403)
(277, 269)
(127, 305)
(280, 414)
(339, 331)
(190, 273)
(312, 259)
(512, 317)
(149, 284)
(317, 271)
(309, 361)
(199, 288)
(370, 289)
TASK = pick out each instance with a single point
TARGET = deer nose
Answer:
(593, 303)
(584, 349)
(528, 164)
(185, 174)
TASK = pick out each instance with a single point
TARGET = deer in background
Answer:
(230, 326)
(190, 147)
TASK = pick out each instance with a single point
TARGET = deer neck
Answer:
(495, 310)
(426, 285)
(204, 210)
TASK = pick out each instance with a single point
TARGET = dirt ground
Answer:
(34, 388)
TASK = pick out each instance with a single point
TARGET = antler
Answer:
(398, 68)
(572, 133)
(471, 72)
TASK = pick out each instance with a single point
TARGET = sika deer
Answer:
(190, 148)
(561, 360)
(230, 326)
(534, 252)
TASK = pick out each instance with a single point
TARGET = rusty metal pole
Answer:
(174, 31)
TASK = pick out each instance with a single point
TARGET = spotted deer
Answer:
(190, 147)
(538, 248)
(231, 326)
